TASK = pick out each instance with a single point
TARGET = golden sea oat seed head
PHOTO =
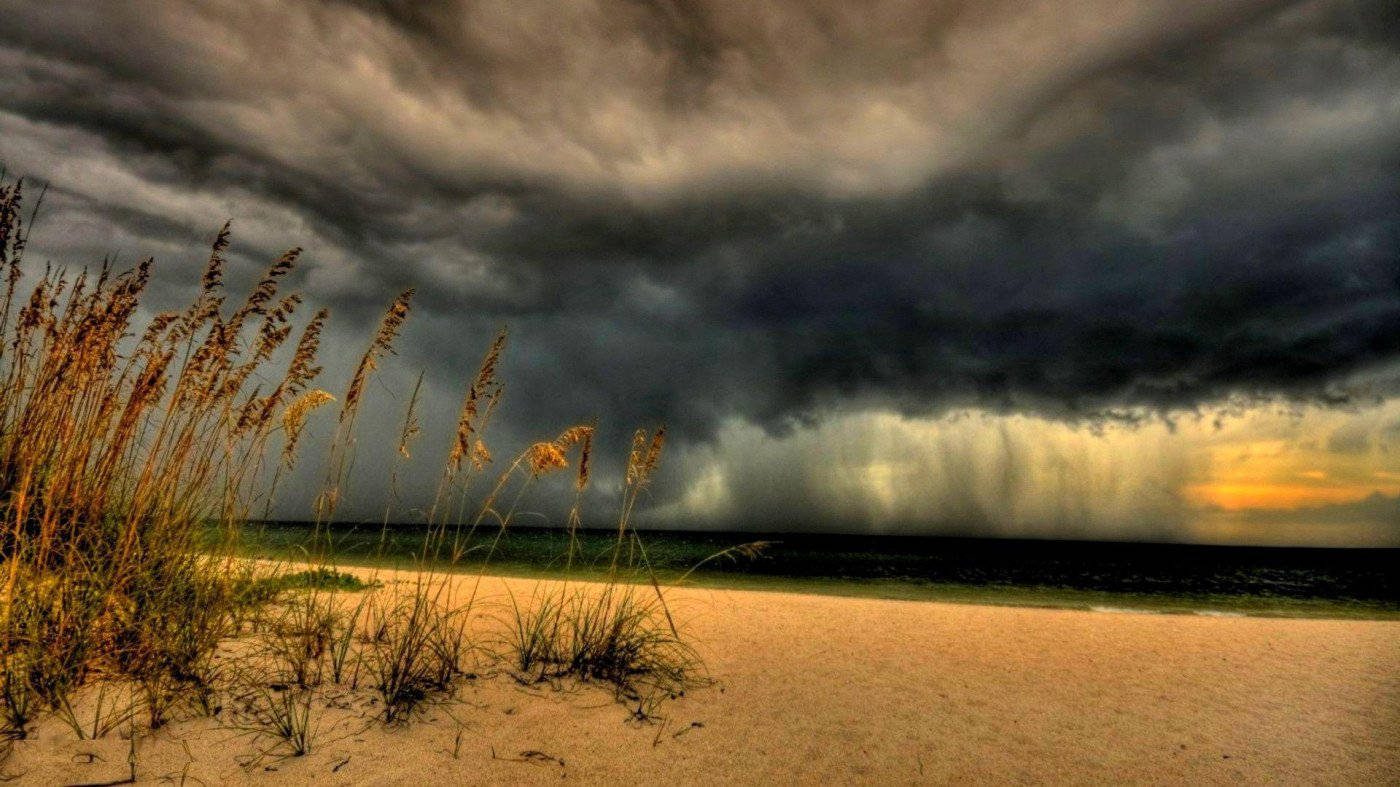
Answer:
(636, 456)
(461, 445)
(545, 458)
(303, 365)
(296, 412)
(393, 320)
(481, 455)
(294, 419)
(214, 271)
(572, 436)
(487, 372)
(584, 454)
(483, 386)
(654, 452)
(383, 343)
(410, 431)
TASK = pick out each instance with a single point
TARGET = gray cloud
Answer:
(1349, 440)
(694, 212)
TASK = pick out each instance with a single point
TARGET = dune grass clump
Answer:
(118, 445)
(616, 634)
(280, 719)
(167, 634)
(298, 637)
(281, 716)
(415, 651)
(621, 632)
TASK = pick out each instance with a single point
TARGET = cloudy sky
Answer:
(1072, 268)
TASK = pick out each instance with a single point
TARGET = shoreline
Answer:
(909, 589)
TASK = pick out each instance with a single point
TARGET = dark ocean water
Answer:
(1256, 578)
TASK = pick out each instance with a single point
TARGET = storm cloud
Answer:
(766, 214)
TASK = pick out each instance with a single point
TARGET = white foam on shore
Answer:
(1208, 613)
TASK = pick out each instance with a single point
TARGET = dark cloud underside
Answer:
(698, 211)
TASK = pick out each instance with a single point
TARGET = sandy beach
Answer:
(812, 689)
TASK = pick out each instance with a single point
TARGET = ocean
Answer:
(1108, 576)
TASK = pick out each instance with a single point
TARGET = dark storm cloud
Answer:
(696, 211)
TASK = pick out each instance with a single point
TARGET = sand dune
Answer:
(842, 690)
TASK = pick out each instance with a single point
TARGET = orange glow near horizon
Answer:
(1270, 461)
(1243, 496)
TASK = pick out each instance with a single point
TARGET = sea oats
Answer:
(411, 428)
(481, 455)
(483, 388)
(382, 344)
(545, 458)
(294, 418)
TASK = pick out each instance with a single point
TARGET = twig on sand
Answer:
(530, 756)
(694, 725)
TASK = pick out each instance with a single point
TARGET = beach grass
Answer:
(133, 451)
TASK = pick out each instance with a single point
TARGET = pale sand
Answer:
(845, 690)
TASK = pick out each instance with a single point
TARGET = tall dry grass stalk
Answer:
(343, 444)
